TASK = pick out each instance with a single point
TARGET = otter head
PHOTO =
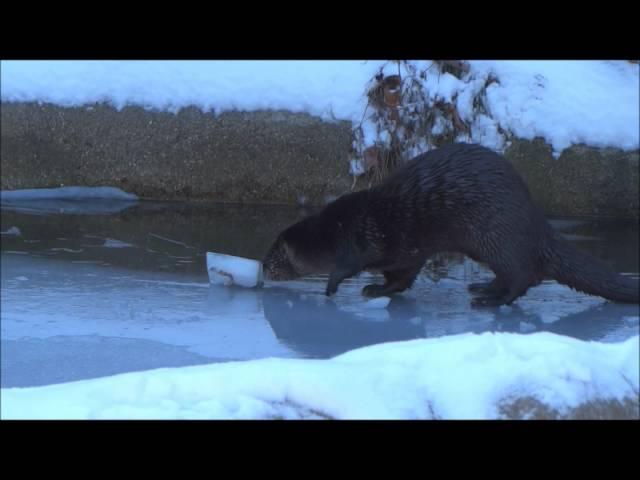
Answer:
(277, 264)
(302, 249)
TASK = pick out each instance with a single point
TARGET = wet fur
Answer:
(461, 198)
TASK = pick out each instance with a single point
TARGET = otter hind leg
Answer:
(506, 296)
(395, 281)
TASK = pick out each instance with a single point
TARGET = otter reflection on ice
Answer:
(322, 330)
(319, 328)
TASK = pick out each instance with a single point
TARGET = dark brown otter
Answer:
(461, 198)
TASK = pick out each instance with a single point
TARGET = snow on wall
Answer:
(566, 102)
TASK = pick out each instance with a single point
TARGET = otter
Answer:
(459, 198)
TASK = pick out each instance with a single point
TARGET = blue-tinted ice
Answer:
(99, 289)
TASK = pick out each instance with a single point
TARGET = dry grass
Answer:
(532, 409)
(404, 117)
(305, 413)
(522, 408)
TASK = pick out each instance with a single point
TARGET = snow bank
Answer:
(566, 102)
(458, 377)
(324, 88)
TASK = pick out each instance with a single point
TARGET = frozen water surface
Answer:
(104, 287)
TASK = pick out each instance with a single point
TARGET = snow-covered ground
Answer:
(459, 377)
(565, 102)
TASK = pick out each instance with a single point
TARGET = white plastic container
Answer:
(229, 270)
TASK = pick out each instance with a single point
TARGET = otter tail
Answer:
(587, 274)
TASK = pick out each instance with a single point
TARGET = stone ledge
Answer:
(261, 157)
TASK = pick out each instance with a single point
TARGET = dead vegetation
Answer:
(520, 408)
(407, 120)
(530, 408)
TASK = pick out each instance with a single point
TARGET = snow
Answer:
(356, 167)
(12, 231)
(380, 302)
(68, 200)
(565, 102)
(66, 193)
(322, 88)
(591, 102)
(229, 270)
(632, 321)
(96, 206)
(114, 243)
(456, 377)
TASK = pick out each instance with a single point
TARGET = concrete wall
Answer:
(264, 157)
(269, 157)
(584, 181)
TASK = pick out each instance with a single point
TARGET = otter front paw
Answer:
(374, 290)
(331, 289)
